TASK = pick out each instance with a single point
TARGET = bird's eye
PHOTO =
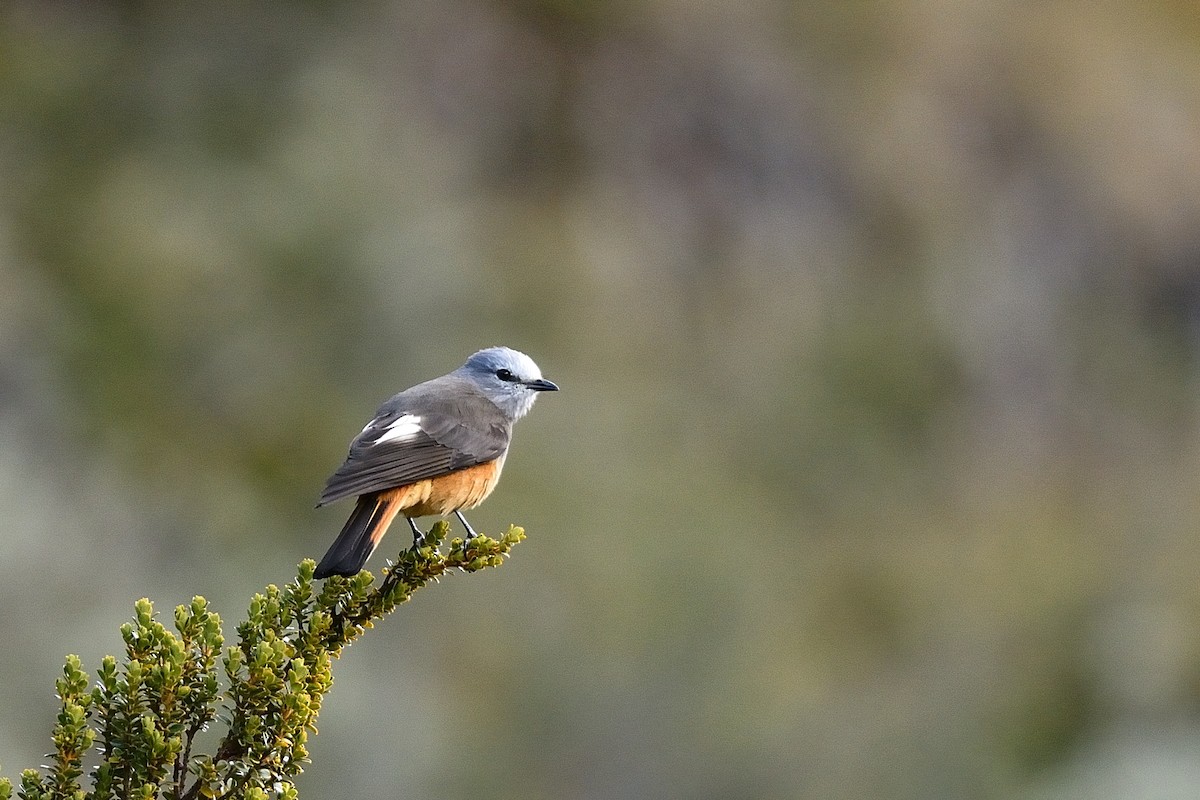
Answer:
(505, 375)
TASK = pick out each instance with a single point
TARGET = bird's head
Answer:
(509, 378)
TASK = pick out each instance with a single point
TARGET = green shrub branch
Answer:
(137, 725)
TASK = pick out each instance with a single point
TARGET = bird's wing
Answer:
(424, 432)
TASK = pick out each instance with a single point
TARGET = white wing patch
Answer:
(404, 428)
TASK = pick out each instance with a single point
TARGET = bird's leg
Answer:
(418, 534)
(471, 534)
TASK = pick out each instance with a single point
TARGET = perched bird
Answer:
(436, 448)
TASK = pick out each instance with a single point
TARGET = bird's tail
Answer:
(360, 535)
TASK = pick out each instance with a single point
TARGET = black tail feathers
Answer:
(357, 540)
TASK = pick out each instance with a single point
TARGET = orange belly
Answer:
(464, 488)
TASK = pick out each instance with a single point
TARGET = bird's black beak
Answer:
(542, 385)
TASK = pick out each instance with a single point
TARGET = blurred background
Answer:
(874, 469)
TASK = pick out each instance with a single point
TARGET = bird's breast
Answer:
(454, 491)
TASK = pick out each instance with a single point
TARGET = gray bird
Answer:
(436, 448)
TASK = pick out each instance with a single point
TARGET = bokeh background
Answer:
(874, 470)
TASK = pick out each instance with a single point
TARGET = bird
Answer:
(433, 449)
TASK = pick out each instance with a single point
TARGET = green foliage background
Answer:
(874, 469)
